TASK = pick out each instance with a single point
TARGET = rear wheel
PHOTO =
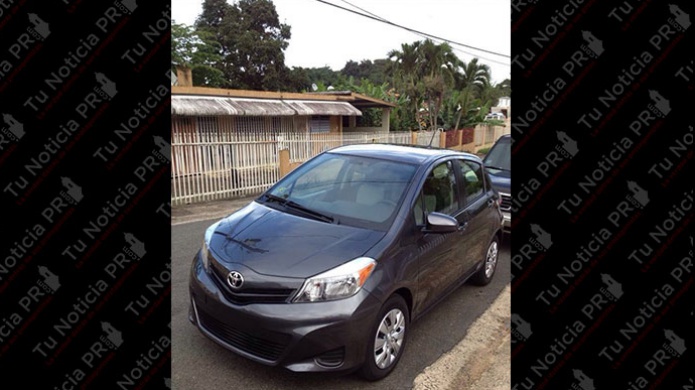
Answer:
(387, 339)
(487, 271)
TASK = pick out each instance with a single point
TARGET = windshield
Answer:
(500, 156)
(351, 190)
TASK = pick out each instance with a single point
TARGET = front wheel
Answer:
(387, 339)
(487, 271)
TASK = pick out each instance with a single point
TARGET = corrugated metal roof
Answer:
(262, 107)
(220, 106)
(313, 107)
(203, 106)
(214, 106)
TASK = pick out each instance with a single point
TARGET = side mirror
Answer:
(441, 223)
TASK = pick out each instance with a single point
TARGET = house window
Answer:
(346, 121)
(320, 124)
(283, 124)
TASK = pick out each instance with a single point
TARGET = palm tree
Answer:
(405, 70)
(465, 104)
(505, 87)
(473, 74)
(438, 65)
(431, 75)
(490, 94)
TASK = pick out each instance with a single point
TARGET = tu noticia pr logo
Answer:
(543, 240)
(14, 129)
(39, 28)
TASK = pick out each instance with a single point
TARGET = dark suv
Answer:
(498, 162)
(327, 269)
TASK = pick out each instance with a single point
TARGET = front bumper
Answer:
(506, 221)
(317, 336)
(506, 208)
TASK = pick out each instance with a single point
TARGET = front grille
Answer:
(250, 295)
(506, 202)
(257, 346)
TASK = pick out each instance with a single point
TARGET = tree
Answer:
(490, 94)
(196, 51)
(375, 71)
(462, 104)
(252, 41)
(473, 74)
(505, 87)
(437, 67)
(298, 80)
(404, 69)
(323, 75)
(351, 69)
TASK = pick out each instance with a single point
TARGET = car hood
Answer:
(501, 180)
(276, 243)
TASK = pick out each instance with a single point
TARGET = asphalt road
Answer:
(199, 363)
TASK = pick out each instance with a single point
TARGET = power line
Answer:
(364, 10)
(413, 30)
(484, 58)
(428, 36)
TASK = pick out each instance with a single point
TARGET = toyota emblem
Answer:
(235, 280)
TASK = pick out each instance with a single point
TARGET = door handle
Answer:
(462, 227)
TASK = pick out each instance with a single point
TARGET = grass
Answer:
(483, 151)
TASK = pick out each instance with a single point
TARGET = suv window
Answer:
(500, 156)
(438, 193)
(473, 182)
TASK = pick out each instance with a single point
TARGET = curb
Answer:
(479, 360)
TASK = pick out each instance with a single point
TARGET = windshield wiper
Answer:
(308, 211)
(296, 206)
(275, 198)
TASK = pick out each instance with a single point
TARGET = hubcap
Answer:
(389, 338)
(491, 259)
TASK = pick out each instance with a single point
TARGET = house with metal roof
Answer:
(273, 112)
(228, 142)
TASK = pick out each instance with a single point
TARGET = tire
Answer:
(485, 274)
(379, 362)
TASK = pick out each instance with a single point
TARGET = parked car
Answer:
(327, 269)
(495, 115)
(498, 162)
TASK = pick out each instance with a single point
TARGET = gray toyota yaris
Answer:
(326, 270)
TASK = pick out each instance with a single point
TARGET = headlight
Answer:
(340, 282)
(204, 256)
(206, 242)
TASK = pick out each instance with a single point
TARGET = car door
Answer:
(439, 254)
(478, 211)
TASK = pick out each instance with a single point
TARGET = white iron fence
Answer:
(428, 138)
(209, 165)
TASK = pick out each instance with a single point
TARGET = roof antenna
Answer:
(433, 133)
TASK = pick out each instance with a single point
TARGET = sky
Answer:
(326, 36)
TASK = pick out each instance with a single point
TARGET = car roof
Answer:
(401, 153)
